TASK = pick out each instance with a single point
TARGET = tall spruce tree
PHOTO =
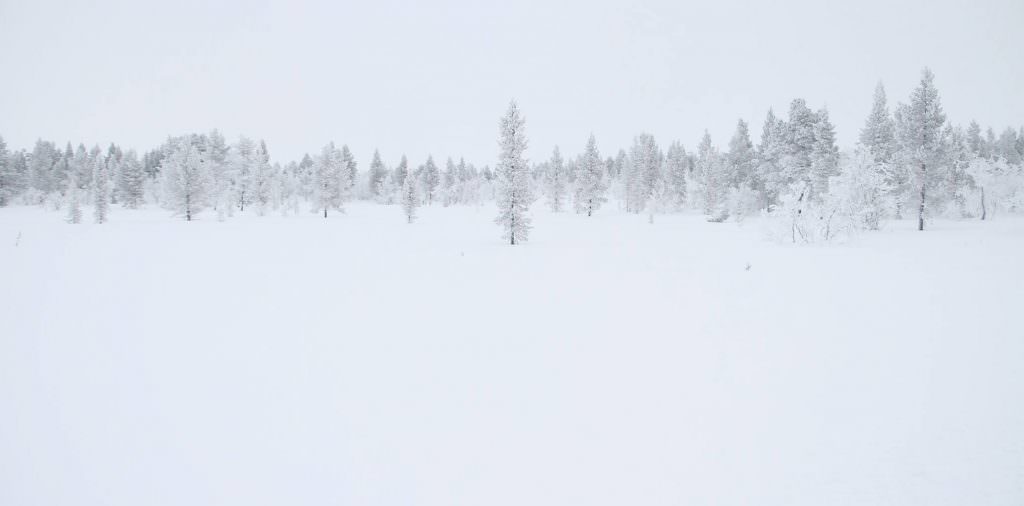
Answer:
(919, 125)
(590, 185)
(513, 177)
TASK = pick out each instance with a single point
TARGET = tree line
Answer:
(909, 161)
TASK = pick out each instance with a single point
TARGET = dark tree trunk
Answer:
(983, 213)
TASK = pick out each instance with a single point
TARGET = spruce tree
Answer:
(401, 171)
(331, 180)
(72, 198)
(100, 190)
(676, 173)
(741, 157)
(824, 156)
(449, 183)
(186, 182)
(920, 127)
(431, 179)
(377, 174)
(769, 160)
(878, 135)
(410, 198)
(262, 179)
(590, 185)
(131, 180)
(555, 181)
(513, 177)
(349, 171)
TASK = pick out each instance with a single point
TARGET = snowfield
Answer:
(363, 361)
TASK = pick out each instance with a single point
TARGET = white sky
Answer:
(413, 78)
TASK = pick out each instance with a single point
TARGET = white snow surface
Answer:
(360, 360)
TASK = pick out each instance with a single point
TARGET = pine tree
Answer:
(331, 179)
(800, 142)
(377, 174)
(449, 183)
(645, 169)
(713, 178)
(741, 157)
(40, 166)
(72, 198)
(920, 127)
(769, 160)
(974, 139)
(1006, 147)
(401, 171)
(131, 180)
(590, 185)
(410, 198)
(186, 182)
(262, 179)
(431, 179)
(824, 156)
(878, 135)
(100, 190)
(349, 170)
(556, 181)
(676, 173)
(242, 162)
(513, 177)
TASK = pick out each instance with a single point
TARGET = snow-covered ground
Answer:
(364, 361)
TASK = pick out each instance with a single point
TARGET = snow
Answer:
(362, 360)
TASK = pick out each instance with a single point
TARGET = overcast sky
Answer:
(434, 77)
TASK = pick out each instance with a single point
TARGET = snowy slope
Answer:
(364, 361)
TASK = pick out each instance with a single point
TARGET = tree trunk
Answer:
(325, 211)
(920, 210)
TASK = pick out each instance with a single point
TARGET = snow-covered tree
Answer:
(401, 171)
(100, 190)
(431, 179)
(676, 173)
(131, 180)
(878, 135)
(740, 158)
(590, 185)
(377, 173)
(331, 179)
(824, 156)
(186, 182)
(40, 165)
(386, 189)
(410, 198)
(262, 180)
(714, 177)
(349, 170)
(644, 170)
(768, 168)
(449, 183)
(556, 181)
(1006, 147)
(879, 138)
(919, 126)
(241, 173)
(800, 143)
(73, 200)
(513, 177)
